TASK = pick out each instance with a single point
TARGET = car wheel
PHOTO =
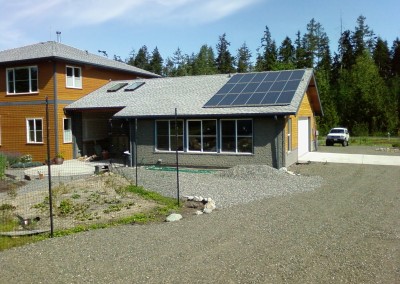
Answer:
(344, 143)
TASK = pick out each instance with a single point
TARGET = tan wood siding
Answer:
(305, 110)
(23, 106)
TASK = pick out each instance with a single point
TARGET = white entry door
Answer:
(303, 136)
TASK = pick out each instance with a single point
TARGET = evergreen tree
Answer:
(301, 57)
(224, 61)
(180, 63)
(381, 57)
(286, 51)
(156, 62)
(396, 57)
(168, 69)
(346, 50)
(142, 58)
(131, 59)
(363, 37)
(204, 61)
(268, 58)
(243, 59)
(315, 42)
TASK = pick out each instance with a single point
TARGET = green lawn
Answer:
(370, 141)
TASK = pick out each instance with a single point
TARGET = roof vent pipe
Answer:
(58, 36)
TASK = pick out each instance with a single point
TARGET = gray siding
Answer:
(267, 142)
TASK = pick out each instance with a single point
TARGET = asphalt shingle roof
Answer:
(57, 50)
(160, 97)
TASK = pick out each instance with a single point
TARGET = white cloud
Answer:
(22, 19)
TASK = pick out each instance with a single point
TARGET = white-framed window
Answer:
(236, 135)
(73, 77)
(34, 130)
(22, 80)
(202, 135)
(289, 135)
(166, 135)
(67, 130)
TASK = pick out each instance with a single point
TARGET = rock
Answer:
(207, 210)
(174, 217)
(198, 198)
(210, 204)
(189, 198)
(198, 212)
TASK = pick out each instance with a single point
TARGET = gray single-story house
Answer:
(265, 118)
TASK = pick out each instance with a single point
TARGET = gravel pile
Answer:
(237, 185)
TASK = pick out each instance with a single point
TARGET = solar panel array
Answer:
(258, 89)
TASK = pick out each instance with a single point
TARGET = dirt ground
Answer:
(95, 199)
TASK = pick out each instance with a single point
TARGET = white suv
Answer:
(338, 135)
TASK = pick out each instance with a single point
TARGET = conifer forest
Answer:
(358, 83)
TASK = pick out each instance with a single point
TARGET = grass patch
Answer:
(370, 141)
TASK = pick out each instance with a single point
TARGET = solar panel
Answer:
(133, 86)
(117, 87)
(258, 89)
(285, 97)
(271, 98)
(242, 99)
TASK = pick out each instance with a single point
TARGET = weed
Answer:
(66, 207)
(61, 189)
(6, 206)
(75, 196)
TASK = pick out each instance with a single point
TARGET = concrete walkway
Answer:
(350, 159)
(68, 168)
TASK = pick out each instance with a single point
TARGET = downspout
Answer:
(55, 107)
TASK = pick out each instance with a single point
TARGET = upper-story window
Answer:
(74, 77)
(22, 80)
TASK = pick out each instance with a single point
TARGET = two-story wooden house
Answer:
(60, 73)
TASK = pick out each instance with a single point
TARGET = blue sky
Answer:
(120, 26)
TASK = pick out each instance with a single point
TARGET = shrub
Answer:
(26, 158)
(26, 165)
(3, 165)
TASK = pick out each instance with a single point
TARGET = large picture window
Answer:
(34, 130)
(202, 135)
(166, 135)
(237, 136)
(22, 80)
(74, 77)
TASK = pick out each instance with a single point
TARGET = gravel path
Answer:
(344, 228)
(238, 185)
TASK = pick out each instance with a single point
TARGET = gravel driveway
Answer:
(344, 228)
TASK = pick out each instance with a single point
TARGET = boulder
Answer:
(207, 210)
(210, 204)
(174, 217)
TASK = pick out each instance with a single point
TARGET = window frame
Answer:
(202, 136)
(289, 135)
(170, 135)
(237, 137)
(35, 131)
(74, 79)
(30, 80)
(67, 133)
